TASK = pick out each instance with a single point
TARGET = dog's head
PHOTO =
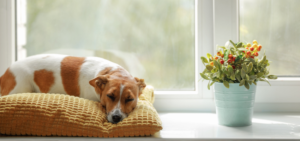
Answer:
(119, 95)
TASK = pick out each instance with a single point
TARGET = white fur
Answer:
(121, 91)
(24, 73)
(89, 70)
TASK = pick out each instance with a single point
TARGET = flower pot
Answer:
(234, 106)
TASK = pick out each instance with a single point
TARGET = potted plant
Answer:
(234, 71)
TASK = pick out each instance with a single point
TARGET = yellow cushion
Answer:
(64, 115)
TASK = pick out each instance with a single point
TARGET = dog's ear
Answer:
(141, 84)
(99, 82)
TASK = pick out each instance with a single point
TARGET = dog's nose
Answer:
(116, 118)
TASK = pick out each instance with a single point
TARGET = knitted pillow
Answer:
(64, 115)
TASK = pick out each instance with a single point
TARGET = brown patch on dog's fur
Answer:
(44, 80)
(141, 84)
(70, 67)
(99, 82)
(105, 71)
(8, 82)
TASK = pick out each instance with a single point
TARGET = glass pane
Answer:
(152, 39)
(275, 25)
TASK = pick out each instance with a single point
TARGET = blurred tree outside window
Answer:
(276, 25)
(152, 39)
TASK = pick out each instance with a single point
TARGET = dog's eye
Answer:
(111, 97)
(127, 100)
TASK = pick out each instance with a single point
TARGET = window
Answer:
(213, 24)
(275, 24)
(152, 39)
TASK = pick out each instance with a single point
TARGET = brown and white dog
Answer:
(87, 77)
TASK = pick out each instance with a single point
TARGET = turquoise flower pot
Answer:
(234, 106)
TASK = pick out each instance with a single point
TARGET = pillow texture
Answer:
(64, 115)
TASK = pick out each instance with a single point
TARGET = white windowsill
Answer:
(204, 126)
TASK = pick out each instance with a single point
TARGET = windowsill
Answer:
(204, 126)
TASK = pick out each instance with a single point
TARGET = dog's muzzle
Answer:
(116, 116)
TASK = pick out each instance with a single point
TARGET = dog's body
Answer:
(90, 77)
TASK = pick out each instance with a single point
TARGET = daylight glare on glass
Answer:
(275, 25)
(152, 39)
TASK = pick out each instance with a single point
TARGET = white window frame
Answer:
(7, 34)
(216, 22)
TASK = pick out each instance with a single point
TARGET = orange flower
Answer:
(254, 42)
(222, 61)
(248, 53)
(255, 53)
(248, 45)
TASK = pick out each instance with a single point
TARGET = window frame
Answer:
(7, 34)
(216, 22)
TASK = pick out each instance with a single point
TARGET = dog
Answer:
(91, 78)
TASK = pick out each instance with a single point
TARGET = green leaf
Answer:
(250, 60)
(222, 47)
(230, 69)
(226, 84)
(204, 60)
(252, 77)
(262, 61)
(232, 43)
(247, 77)
(204, 76)
(272, 77)
(209, 67)
(208, 55)
(249, 67)
(254, 82)
(238, 58)
(240, 44)
(262, 79)
(250, 82)
(226, 55)
(247, 85)
(226, 72)
(238, 77)
(214, 70)
(219, 74)
(244, 67)
(209, 85)
(242, 82)
(232, 76)
(242, 49)
(243, 73)
(216, 64)
(237, 72)
(212, 83)
(232, 50)
(260, 74)
(205, 71)
(266, 72)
